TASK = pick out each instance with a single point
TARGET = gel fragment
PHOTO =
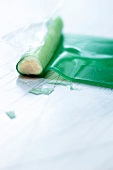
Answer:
(39, 91)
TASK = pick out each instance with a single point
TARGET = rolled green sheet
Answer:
(83, 59)
(34, 61)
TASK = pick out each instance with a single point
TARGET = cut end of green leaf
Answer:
(35, 60)
(30, 66)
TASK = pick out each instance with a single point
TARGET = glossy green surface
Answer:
(84, 59)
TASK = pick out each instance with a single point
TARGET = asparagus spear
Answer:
(34, 61)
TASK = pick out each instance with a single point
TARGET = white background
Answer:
(80, 16)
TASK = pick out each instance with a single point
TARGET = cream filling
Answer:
(30, 65)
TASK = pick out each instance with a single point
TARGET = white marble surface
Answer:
(69, 129)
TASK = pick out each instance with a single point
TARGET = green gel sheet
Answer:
(84, 59)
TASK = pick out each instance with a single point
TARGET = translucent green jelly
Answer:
(84, 59)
